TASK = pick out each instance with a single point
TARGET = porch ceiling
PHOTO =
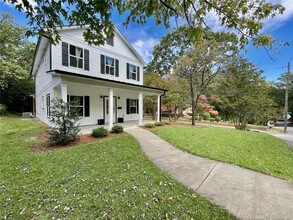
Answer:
(68, 77)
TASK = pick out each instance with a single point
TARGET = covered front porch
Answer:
(87, 129)
(105, 102)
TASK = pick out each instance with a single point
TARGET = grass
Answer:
(109, 179)
(257, 151)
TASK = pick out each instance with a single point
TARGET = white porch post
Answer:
(158, 108)
(140, 108)
(110, 108)
(64, 92)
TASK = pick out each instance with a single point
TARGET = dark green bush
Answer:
(218, 118)
(117, 129)
(3, 110)
(149, 125)
(212, 119)
(159, 123)
(99, 132)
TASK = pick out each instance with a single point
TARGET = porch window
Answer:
(132, 71)
(76, 103)
(81, 104)
(132, 106)
(48, 103)
(76, 56)
(109, 66)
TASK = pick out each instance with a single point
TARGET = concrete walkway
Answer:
(244, 193)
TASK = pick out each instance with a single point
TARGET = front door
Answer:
(106, 109)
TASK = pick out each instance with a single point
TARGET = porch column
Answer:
(159, 108)
(110, 109)
(64, 92)
(140, 108)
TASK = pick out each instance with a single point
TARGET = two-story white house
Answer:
(106, 81)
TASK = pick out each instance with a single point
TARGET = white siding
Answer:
(43, 86)
(120, 51)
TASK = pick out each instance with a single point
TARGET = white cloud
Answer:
(280, 19)
(141, 40)
(31, 2)
(271, 23)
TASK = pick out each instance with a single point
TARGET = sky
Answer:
(145, 37)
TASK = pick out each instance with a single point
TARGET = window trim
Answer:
(77, 106)
(114, 68)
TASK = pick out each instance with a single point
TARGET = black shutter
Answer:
(137, 73)
(137, 106)
(127, 70)
(86, 106)
(127, 106)
(64, 54)
(102, 64)
(86, 59)
(117, 68)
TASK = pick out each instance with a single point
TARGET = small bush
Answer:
(117, 129)
(3, 110)
(206, 116)
(99, 132)
(159, 123)
(167, 122)
(212, 119)
(218, 118)
(149, 125)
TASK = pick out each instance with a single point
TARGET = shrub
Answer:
(117, 129)
(218, 118)
(65, 128)
(99, 132)
(159, 123)
(166, 122)
(3, 110)
(149, 125)
(212, 119)
(206, 116)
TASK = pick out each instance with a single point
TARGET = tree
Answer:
(244, 16)
(64, 119)
(16, 55)
(202, 63)
(245, 93)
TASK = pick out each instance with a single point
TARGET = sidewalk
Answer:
(244, 193)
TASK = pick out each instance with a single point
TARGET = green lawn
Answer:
(109, 179)
(256, 151)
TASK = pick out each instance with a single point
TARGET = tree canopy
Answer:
(244, 16)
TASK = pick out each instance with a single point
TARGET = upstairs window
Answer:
(110, 41)
(76, 56)
(132, 72)
(109, 66)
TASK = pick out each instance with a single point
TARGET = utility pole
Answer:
(286, 99)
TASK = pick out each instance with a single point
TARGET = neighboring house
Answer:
(106, 81)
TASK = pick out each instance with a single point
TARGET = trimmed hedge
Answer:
(99, 132)
(117, 129)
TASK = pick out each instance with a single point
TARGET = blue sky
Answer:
(144, 37)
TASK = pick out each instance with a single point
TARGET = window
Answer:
(132, 106)
(48, 102)
(76, 56)
(43, 102)
(110, 41)
(76, 103)
(132, 72)
(81, 104)
(109, 66)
